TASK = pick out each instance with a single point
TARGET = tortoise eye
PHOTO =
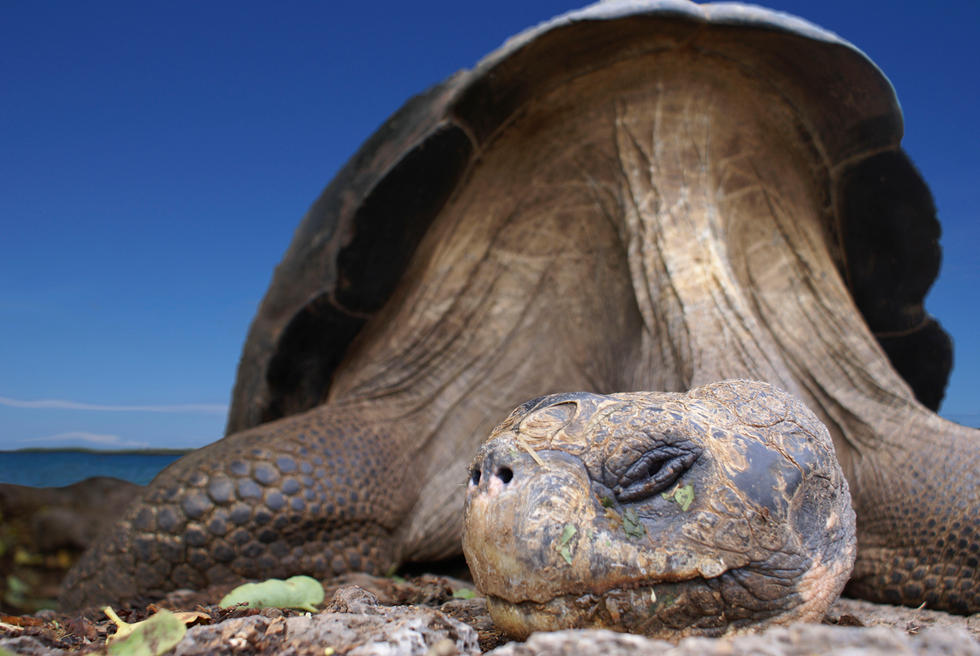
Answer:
(655, 471)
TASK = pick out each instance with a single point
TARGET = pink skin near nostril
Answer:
(495, 487)
(498, 481)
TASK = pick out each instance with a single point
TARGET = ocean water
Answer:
(58, 468)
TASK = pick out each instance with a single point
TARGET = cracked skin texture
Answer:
(630, 197)
(716, 511)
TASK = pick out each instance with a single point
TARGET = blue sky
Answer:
(157, 156)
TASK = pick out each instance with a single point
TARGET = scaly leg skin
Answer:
(276, 500)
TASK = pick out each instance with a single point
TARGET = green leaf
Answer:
(151, 637)
(684, 497)
(464, 593)
(567, 534)
(296, 592)
(632, 525)
(606, 502)
(566, 553)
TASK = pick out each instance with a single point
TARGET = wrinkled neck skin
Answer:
(660, 225)
(725, 207)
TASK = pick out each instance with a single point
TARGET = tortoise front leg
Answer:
(300, 495)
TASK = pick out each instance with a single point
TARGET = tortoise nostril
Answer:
(475, 476)
(505, 474)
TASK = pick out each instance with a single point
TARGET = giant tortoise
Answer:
(633, 196)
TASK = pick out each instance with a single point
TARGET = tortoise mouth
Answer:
(667, 610)
(707, 606)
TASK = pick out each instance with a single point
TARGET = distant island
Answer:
(101, 452)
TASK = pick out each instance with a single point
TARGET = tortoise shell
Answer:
(354, 244)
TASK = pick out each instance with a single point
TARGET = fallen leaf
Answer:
(191, 616)
(301, 592)
(151, 637)
(21, 620)
(123, 629)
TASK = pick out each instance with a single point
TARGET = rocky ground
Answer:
(440, 616)
(427, 614)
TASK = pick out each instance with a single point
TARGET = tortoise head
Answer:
(659, 513)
